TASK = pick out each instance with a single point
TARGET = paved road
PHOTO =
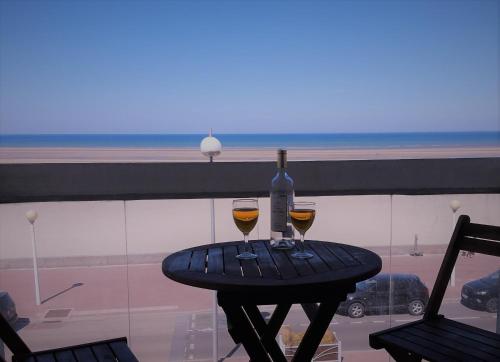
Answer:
(353, 333)
(112, 287)
(99, 308)
(178, 336)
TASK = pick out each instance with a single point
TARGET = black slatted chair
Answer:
(436, 338)
(109, 350)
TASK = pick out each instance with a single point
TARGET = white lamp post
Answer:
(454, 206)
(415, 251)
(211, 147)
(32, 215)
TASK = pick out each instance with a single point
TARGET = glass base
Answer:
(302, 255)
(283, 244)
(246, 255)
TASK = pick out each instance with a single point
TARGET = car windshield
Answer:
(494, 275)
(361, 285)
(365, 284)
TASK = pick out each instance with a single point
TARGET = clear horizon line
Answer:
(244, 133)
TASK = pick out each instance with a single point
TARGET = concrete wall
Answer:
(103, 228)
(154, 181)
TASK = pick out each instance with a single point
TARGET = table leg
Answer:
(255, 317)
(277, 319)
(316, 331)
(310, 309)
(247, 326)
(246, 333)
(268, 331)
(231, 328)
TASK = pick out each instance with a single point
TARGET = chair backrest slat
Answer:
(11, 338)
(445, 270)
(480, 231)
(481, 246)
(483, 239)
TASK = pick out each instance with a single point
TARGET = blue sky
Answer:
(248, 66)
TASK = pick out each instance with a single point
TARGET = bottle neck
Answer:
(282, 162)
(282, 171)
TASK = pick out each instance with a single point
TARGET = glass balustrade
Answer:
(99, 271)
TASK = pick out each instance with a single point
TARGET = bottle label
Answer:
(279, 211)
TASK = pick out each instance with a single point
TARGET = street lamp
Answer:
(211, 147)
(415, 251)
(454, 206)
(31, 216)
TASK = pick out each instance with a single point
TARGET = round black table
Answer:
(274, 278)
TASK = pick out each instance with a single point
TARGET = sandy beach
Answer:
(61, 155)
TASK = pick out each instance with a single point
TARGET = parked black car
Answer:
(410, 295)
(7, 307)
(482, 294)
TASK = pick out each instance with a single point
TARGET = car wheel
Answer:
(491, 305)
(356, 310)
(416, 307)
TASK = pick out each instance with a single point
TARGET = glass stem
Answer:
(245, 247)
(301, 243)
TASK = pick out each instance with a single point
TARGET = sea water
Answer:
(266, 140)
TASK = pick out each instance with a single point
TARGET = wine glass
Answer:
(302, 214)
(245, 215)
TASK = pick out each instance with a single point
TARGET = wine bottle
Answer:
(281, 199)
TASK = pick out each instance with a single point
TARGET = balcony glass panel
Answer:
(166, 317)
(82, 273)
(100, 273)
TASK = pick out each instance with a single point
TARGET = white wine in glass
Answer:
(245, 216)
(302, 215)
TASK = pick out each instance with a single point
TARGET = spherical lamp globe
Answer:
(32, 215)
(455, 205)
(210, 146)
